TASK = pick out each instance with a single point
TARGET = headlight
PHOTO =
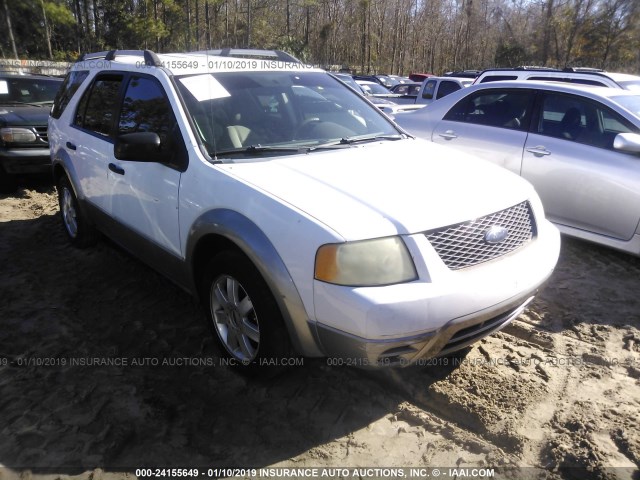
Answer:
(382, 261)
(17, 135)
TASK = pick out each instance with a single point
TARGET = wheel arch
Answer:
(225, 229)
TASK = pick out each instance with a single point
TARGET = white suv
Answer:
(303, 218)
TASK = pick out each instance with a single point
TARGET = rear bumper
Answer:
(25, 160)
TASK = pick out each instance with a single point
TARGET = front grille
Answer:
(464, 245)
(42, 134)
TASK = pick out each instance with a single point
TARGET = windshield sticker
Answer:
(205, 87)
(4, 87)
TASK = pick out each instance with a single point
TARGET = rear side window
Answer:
(580, 81)
(498, 78)
(446, 88)
(97, 107)
(70, 85)
(496, 108)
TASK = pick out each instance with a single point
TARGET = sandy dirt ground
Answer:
(558, 390)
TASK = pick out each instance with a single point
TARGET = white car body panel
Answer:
(591, 200)
(390, 187)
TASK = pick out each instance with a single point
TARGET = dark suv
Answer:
(25, 101)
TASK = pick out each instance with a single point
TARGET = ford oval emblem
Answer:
(496, 234)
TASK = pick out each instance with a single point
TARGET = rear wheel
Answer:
(77, 227)
(244, 315)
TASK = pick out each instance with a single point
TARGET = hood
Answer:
(387, 188)
(24, 115)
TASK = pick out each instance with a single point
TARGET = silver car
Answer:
(579, 146)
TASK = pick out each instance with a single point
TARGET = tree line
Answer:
(368, 36)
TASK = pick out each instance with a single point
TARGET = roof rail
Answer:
(582, 70)
(252, 53)
(536, 68)
(150, 58)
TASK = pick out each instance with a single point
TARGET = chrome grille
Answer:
(464, 245)
(42, 134)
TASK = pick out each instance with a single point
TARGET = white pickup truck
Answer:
(434, 88)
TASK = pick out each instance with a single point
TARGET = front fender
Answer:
(217, 228)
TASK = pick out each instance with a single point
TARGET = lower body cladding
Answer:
(441, 312)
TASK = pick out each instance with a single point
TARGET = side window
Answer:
(145, 108)
(580, 120)
(497, 108)
(447, 87)
(562, 116)
(96, 109)
(70, 85)
(429, 89)
(498, 78)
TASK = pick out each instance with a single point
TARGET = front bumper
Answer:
(25, 160)
(454, 335)
(443, 312)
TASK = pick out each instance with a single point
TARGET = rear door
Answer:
(91, 147)
(570, 160)
(491, 124)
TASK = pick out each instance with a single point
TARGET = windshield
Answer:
(277, 111)
(630, 102)
(16, 91)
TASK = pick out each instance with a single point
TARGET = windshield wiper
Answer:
(357, 139)
(344, 141)
(257, 149)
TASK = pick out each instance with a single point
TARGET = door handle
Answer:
(448, 135)
(71, 146)
(539, 151)
(116, 169)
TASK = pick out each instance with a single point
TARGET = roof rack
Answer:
(150, 58)
(252, 53)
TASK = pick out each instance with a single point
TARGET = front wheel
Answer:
(244, 315)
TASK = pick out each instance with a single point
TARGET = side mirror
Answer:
(627, 142)
(139, 146)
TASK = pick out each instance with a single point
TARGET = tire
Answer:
(79, 230)
(244, 316)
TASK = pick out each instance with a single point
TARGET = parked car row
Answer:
(407, 92)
